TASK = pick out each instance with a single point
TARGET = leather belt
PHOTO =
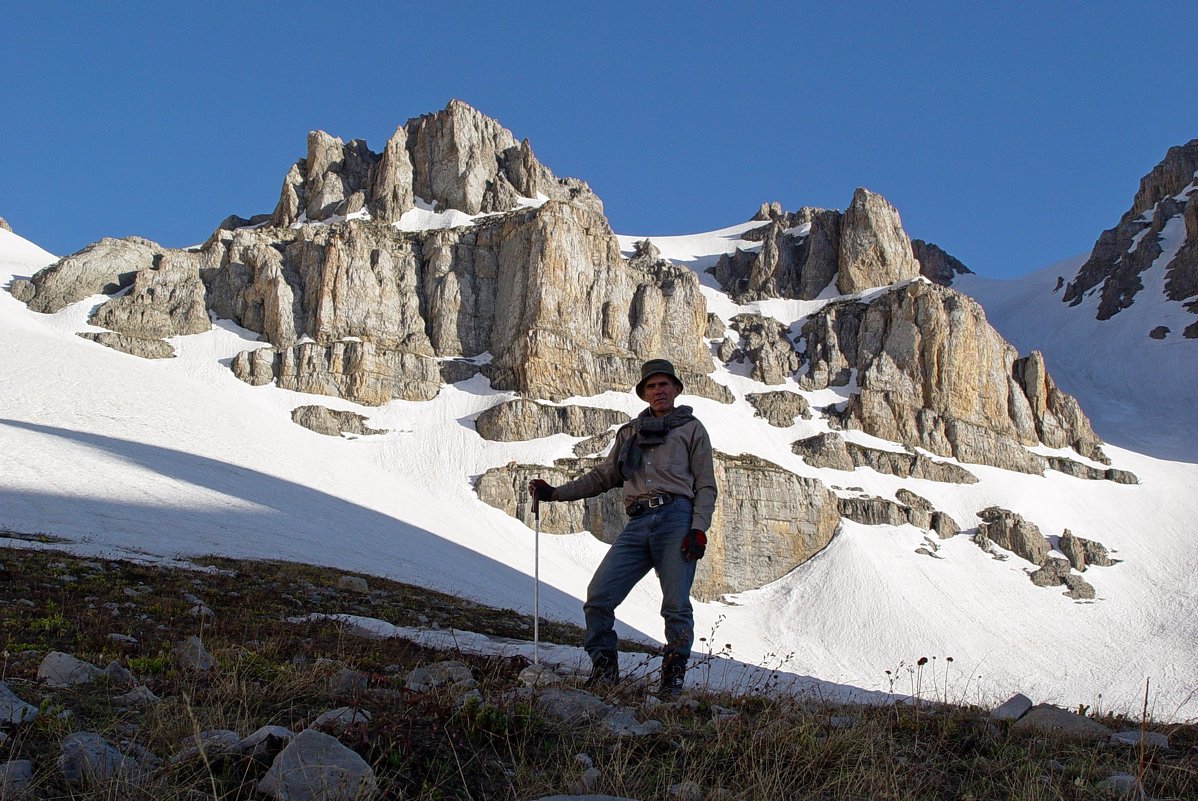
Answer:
(643, 505)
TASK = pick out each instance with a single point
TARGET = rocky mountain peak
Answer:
(1162, 221)
(803, 252)
(4, 224)
(456, 158)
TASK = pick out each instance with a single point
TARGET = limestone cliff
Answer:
(932, 373)
(456, 158)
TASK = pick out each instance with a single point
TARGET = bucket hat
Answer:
(656, 367)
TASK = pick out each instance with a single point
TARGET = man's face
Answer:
(660, 391)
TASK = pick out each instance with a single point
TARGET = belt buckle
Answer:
(656, 501)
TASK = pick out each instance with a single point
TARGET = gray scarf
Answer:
(650, 432)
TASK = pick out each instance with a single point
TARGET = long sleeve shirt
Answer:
(681, 465)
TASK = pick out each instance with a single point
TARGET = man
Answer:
(662, 459)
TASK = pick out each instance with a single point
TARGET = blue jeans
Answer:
(652, 539)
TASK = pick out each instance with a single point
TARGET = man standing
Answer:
(662, 459)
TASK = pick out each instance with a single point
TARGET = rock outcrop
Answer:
(1009, 530)
(831, 450)
(874, 249)
(350, 369)
(936, 265)
(932, 373)
(523, 419)
(165, 300)
(764, 341)
(803, 252)
(134, 346)
(780, 408)
(767, 520)
(4, 224)
(1082, 552)
(1078, 470)
(456, 158)
(1166, 206)
(332, 422)
(106, 266)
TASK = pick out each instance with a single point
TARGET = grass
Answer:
(431, 746)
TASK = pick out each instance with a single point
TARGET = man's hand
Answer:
(541, 491)
(694, 545)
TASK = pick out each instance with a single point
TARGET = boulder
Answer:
(340, 719)
(1082, 552)
(1046, 719)
(134, 346)
(780, 408)
(14, 711)
(16, 775)
(316, 767)
(332, 422)
(1137, 738)
(266, 742)
(190, 654)
(521, 419)
(87, 759)
(1013, 708)
(1009, 530)
(1052, 573)
(106, 266)
(208, 745)
(63, 670)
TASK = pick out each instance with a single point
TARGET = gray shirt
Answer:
(681, 465)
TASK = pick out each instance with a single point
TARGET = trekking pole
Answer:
(536, 587)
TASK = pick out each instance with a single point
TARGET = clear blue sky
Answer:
(1009, 133)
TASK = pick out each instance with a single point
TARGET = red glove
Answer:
(694, 545)
(540, 490)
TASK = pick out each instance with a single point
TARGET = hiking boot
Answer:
(673, 673)
(605, 670)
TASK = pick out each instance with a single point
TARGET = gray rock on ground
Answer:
(440, 674)
(266, 741)
(1013, 708)
(316, 767)
(1047, 719)
(1082, 552)
(190, 654)
(341, 718)
(1135, 737)
(87, 759)
(63, 670)
(210, 745)
(14, 711)
(16, 777)
(353, 584)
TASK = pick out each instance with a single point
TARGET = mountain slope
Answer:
(172, 457)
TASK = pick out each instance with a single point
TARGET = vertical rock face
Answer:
(874, 248)
(456, 158)
(932, 373)
(1164, 207)
(164, 301)
(545, 291)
